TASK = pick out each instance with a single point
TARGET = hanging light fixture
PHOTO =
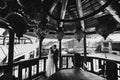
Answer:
(78, 34)
(42, 33)
(106, 25)
(60, 33)
(17, 22)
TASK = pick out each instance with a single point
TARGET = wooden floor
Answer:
(91, 77)
(74, 74)
(41, 78)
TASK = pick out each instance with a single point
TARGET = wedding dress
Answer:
(50, 66)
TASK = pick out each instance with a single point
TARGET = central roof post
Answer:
(80, 13)
(60, 32)
(11, 52)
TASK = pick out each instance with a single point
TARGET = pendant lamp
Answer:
(106, 25)
(78, 34)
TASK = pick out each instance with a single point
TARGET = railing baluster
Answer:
(37, 66)
(20, 72)
(99, 63)
(92, 67)
(30, 71)
(41, 64)
(67, 62)
(44, 64)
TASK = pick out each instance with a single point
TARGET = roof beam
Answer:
(63, 11)
(111, 11)
(80, 12)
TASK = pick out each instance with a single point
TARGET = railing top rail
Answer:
(100, 58)
(30, 61)
(33, 61)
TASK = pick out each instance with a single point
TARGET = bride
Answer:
(50, 66)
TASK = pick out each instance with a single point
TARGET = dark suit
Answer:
(55, 58)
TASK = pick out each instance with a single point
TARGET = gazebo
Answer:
(58, 19)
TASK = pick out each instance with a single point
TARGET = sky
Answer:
(1, 31)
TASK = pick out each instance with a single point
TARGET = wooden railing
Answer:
(26, 70)
(93, 64)
(30, 69)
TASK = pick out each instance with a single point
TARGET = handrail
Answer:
(94, 58)
(94, 64)
(33, 67)
(26, 65)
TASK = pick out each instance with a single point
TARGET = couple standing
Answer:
(51, 64)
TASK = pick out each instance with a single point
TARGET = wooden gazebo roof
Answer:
(46, 14)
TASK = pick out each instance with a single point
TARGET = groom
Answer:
(55, 56)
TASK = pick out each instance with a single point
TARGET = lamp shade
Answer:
(106, 25)
(78, 34)
(60, 33)
(18, 23)
(42, 33)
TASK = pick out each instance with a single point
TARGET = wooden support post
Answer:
(45, 64)
(85, 51)
(80, 12)
(92, 66)
(37, 66)
(100, 64)
(60, 56)
(60, 25)
(30, 72)
(40, 47)
(20, 72)
(67, 62)
(11, 51)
